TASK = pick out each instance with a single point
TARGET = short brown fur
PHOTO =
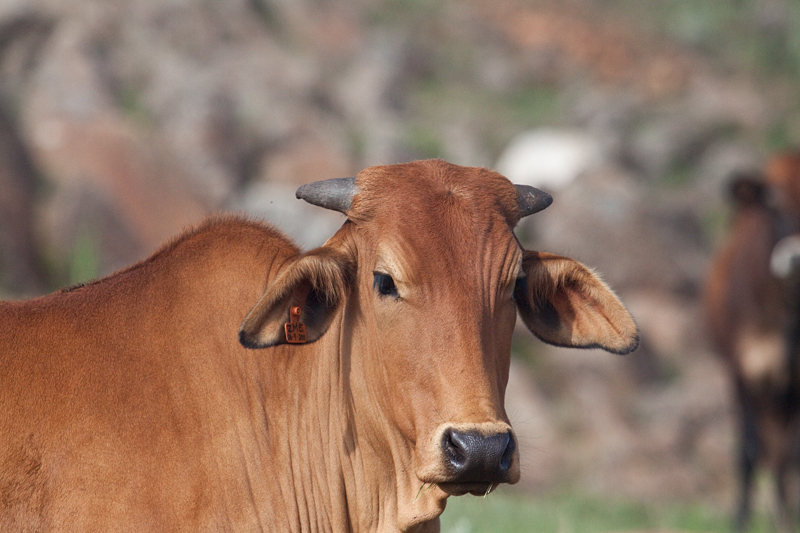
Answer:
(129, 404)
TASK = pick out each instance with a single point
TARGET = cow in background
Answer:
(752, 304)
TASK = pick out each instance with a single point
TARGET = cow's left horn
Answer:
(532, 200)
(334, 193)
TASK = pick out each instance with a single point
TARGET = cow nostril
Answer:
(455, 448)
(508, 454)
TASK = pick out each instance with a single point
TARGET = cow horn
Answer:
(335, 193)
(532, 200)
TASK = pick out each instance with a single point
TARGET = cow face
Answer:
(436, 275)
(429, 276)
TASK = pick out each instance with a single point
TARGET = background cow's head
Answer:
(432, 277)
(783, 178)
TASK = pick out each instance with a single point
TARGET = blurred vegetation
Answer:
(761, 35)
(756, 37)
(570, 513)
(491, 117)
(85, 264)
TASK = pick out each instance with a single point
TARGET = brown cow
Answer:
(130, 404)
(754, 324)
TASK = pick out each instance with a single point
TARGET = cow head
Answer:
(783, 177)
(429, 276)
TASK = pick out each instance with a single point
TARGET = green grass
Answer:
(580, 514)
(85, 263)
(424, 142)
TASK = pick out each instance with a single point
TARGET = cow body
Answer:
(754, 324)
(129, 404)
(126, 392)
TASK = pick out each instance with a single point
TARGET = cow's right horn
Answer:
(335, 193)
(532, 200)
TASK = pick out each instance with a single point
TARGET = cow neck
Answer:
(332, 459)
(381, 452)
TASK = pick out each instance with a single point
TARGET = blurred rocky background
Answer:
(122, 122)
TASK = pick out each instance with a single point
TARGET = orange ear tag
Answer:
(295, 330)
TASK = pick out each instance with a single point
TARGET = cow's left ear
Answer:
(563, 303)
(317, 282)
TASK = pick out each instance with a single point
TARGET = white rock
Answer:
(549, 158)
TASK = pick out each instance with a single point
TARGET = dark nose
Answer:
(476, 458)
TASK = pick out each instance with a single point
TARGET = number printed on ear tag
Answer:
(295, 330)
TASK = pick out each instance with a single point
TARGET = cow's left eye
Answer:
(384, 284)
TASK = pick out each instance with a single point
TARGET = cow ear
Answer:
(317, 282)
(563, 303)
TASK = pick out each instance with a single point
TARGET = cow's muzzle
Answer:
(472, 457)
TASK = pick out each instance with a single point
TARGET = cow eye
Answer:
(384, 284)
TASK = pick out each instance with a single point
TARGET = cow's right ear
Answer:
(317, 282)
(564, 303)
